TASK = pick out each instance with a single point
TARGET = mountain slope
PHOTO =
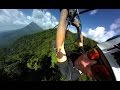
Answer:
(7, 38)
(32, 56)
(42, 42)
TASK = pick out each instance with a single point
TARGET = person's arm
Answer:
(60, 37)
(64, 65)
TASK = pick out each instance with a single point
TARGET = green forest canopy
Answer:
(34, 54)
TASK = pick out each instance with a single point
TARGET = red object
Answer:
(93, 54)
(100, 72)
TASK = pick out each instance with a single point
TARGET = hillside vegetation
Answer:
(32, 57)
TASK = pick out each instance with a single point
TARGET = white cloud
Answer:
(9, 16)
(84, 34)
(115, 25)
(99, 34)
(93, 12)
(14, 19)
(44, 19)
(72, 29)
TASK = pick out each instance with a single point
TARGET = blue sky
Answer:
(98, 24)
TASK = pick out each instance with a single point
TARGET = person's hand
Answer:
(84, 64)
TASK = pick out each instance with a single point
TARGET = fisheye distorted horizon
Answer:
(98, 24)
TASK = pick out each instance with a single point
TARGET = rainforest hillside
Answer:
(32, 57)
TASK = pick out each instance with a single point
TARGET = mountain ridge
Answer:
(9, 37)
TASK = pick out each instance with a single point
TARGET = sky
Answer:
(98, 24)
